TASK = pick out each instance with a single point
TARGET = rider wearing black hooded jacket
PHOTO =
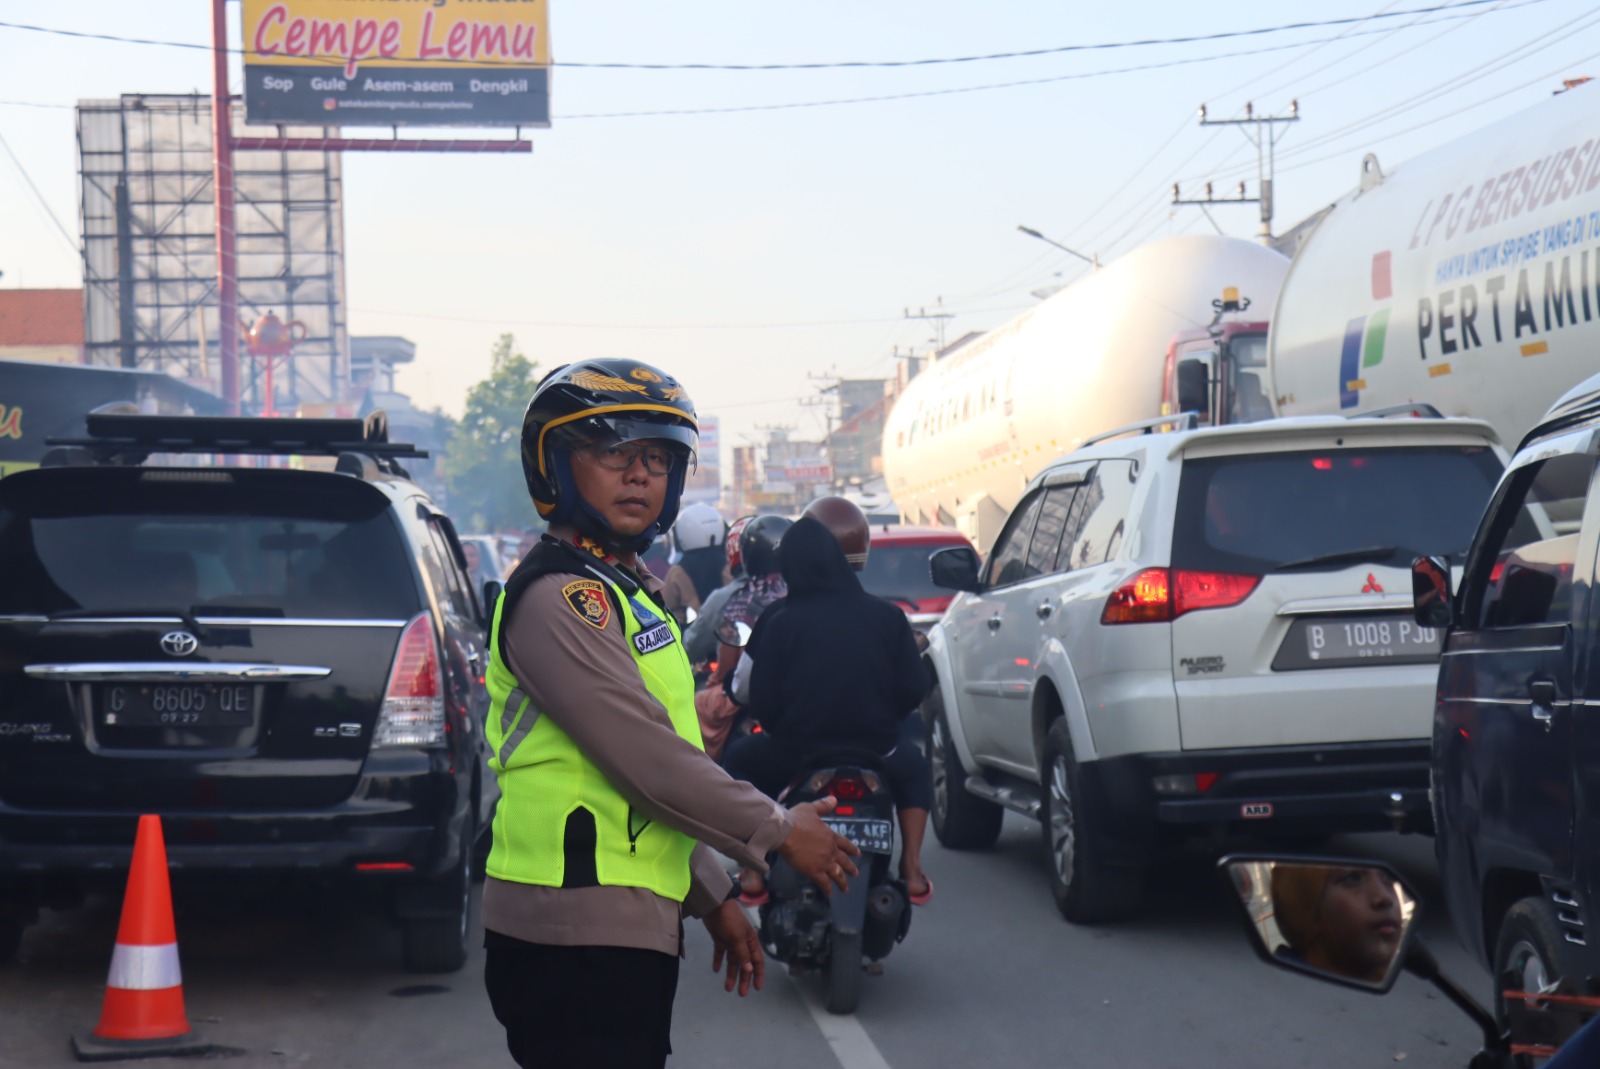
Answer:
(833, 667)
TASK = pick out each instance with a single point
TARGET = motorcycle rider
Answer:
(832, 666)
(700, 640)
(609, 809)
(698, 535)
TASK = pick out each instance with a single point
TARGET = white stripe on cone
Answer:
(144, 968)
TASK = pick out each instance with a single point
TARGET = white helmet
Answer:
(699, 526)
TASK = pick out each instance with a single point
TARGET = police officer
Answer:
(609, 809)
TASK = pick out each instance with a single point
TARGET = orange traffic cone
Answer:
(143, 1013)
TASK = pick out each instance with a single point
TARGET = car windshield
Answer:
(901, 571)
(1328, 509)
(297, 549)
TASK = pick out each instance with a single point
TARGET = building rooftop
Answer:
(41, 317)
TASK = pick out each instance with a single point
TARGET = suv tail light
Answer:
(413, 704)
(1157, 595)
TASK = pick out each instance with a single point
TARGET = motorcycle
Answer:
(1353, 922)
(847, 935)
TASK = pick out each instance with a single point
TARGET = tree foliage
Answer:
(483, 465)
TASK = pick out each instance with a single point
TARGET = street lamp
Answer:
(1032, 233)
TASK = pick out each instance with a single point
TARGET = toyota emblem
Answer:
(179, 643)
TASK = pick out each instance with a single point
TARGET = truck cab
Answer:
(1219, 371)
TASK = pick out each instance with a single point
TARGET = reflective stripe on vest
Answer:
(545, 778)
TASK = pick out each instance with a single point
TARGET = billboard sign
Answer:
(356, 63)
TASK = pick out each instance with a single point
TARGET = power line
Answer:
(1103, 46)
(494, 321)
(71, 242)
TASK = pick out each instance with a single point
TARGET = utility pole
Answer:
(938, 318)
(1262, 130)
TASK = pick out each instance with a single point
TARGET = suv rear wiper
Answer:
(186, 615)
(1343, 556)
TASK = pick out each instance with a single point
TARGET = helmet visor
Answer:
(606, 430)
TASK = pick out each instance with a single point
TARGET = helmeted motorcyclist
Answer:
(832, 666)
(700, 640)
(698, 535)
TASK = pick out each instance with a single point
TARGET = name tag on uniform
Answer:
(654, 638)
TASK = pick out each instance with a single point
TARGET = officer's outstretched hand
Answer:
(732, 936)
(816, 850)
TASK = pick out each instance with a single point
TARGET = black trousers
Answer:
(594, 1007)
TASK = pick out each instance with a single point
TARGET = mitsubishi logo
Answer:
(1372, 587)
(179, 643)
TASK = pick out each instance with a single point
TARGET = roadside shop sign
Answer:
(397, 62)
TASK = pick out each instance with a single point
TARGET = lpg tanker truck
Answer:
(1468, 279)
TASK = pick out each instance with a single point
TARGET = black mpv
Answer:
(284, 663)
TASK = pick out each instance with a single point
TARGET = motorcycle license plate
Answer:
(872, 836)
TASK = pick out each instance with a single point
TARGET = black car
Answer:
(284, 663)
(1516, 739)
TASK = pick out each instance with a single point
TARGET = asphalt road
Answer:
(990, 976)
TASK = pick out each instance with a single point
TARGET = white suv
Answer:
(1196, 628)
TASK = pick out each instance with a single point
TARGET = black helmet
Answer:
(758, 544)
(607, 401)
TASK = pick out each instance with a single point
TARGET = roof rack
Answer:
(1576, 413)
(116, 438)
(1183, 421)
(1415, 411)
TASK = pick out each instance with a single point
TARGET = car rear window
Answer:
(310, 547)
(901, 571)
(1330, 508)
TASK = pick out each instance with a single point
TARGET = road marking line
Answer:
(850, 1043)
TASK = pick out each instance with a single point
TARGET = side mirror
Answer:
(735, 633)
(492, 589)
(1194, 382)
(954, 568)
(690, 615)
(1431, 604)
(1342, 920)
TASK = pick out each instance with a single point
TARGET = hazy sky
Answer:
(749, 251)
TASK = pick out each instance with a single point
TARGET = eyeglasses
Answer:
(657, 459)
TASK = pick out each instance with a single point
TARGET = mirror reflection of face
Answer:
(1344, 920)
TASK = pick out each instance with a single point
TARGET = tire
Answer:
(844, 973)
(962, 821)
(1529, 953)
(1086, 889)
(438, 943)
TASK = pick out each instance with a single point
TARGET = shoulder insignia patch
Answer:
(588, 599)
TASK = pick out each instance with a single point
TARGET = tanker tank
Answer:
(1467, 278)
(968, 433)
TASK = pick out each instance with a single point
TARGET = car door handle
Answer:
(1542, 691)
(1045, 610)
(995, 621)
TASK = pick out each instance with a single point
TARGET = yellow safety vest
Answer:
(545, 778)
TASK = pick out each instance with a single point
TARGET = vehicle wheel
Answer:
(1529, 953)
(438, 943)
(962, 821)
(1086, 889)
(844, 973)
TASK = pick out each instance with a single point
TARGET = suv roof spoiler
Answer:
(1183, 421)
(118, 438)
(1414, 411)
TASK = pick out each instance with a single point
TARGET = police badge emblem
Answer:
(588, 599)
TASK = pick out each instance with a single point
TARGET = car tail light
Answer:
(413, 704)
(1156, 595)
(1146, 598)
(1210, 590)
